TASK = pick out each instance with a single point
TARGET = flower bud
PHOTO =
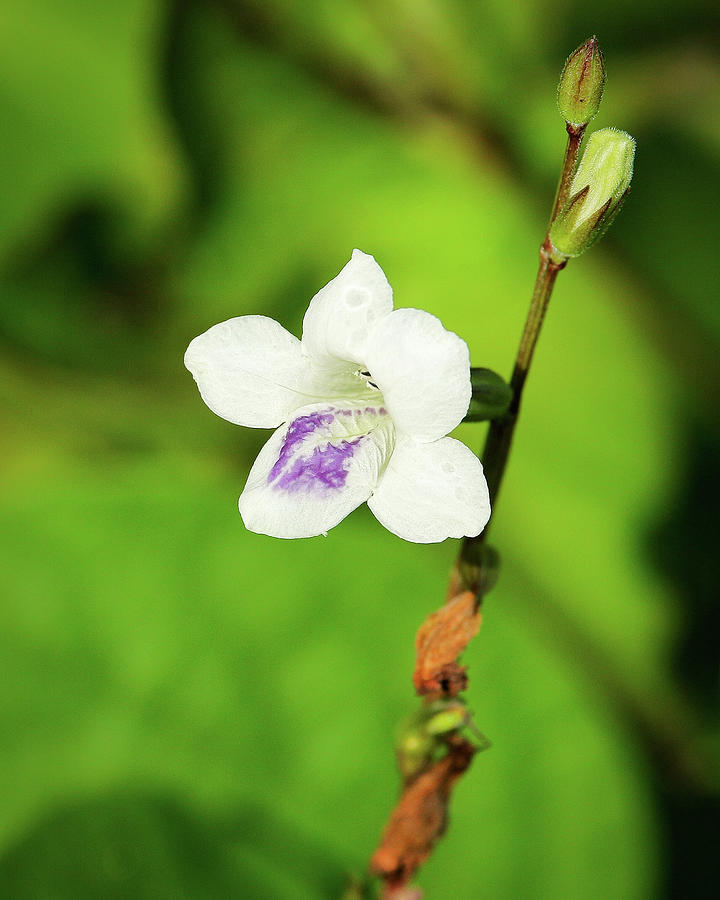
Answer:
(419, 738)
(581, 84)
(446, 717)
(491, 396)
(479, 567)
(598, 189)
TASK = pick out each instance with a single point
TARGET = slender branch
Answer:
(572, 151)
(499, 439)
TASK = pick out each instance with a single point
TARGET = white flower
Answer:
(363, 402)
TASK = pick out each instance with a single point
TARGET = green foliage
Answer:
(192, 710)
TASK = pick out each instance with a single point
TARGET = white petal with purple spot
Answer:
(316, 469)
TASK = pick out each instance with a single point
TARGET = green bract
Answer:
(597, 191)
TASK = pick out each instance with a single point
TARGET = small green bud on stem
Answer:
(491, 396)
(598, 189)
(581, 84)
(479, 567)
(419, 739)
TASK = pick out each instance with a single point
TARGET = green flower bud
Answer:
(414, 749)
(446, 719)
(491, 396)
(598, 189)
(419, 739)
(479, 567)
(581, 84)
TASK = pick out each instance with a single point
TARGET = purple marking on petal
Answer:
(324, 467)
(297, 431)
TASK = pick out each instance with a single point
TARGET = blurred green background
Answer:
(192, 711)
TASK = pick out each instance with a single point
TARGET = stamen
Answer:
(365, 374)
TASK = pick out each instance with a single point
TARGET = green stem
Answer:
(500, 435)
(572, 151)
(499, 439)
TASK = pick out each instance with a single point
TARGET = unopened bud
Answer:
(419, 738)
(581, 84)
(598, 189)
(446, 716)
(479, 567)
(491, 396)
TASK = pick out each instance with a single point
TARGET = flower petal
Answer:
(341, 314)
(432, 491)
(250, 371)
(316, 469)
(423, 372)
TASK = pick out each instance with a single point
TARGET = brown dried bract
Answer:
(440, 640)
(420, 817)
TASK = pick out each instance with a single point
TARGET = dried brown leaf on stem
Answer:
(419, 818)
(440, 641)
